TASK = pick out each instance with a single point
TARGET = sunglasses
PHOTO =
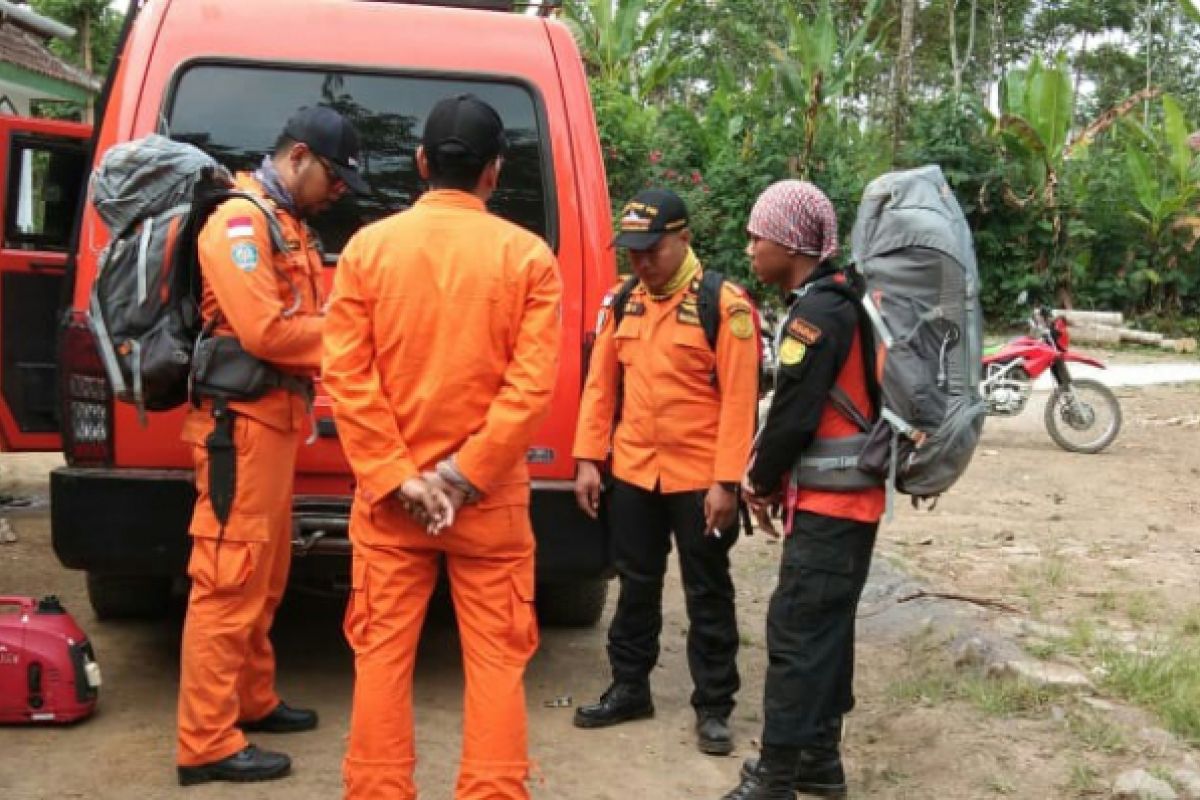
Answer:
(335, 181)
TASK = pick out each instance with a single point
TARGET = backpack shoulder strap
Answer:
(278, 240)
(853, 290)
(619, 300)
(708, 304)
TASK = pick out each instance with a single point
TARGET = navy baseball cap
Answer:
(649, 216)
(464, 125)
(333, 137)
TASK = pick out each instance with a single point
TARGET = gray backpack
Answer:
(913, 246)
(154, 194)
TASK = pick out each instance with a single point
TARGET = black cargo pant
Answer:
(641, 523)
(810, 628)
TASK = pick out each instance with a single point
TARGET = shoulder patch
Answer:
(791, 352)
(740, 323)
(239, 227)
(245, 256)
(805, 331)
(738, 307)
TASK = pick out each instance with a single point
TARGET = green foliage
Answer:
(718, 100)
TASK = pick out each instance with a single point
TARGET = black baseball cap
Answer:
(333, 137)
(649, 216)
(464, 125)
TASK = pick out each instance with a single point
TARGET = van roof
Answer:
(352, 32)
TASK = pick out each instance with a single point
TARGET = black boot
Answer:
(819, 771)
(771, 777)
(712, 733)
(248, 765)
(621, 702)
(284, 719)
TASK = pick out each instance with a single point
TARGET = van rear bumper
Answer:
(135, 521)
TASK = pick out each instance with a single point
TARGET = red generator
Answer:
(48, 672)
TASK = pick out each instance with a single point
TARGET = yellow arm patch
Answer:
(740, 324)
(791, 351)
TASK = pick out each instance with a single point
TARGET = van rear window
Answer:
(236, 112)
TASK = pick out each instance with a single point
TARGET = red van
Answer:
(225, 75)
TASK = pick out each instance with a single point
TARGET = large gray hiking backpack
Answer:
(154, 194)
(913, 246)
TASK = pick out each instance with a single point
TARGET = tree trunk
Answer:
(959, 65)
(85, 46)
(908, 12)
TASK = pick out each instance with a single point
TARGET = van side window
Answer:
(235, 113)
(45, 177)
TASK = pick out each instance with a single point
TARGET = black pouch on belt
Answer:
(222, 369)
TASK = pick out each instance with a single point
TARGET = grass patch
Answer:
(1085, 779)
(1004, 697)
(1096, 733)
(1139, 607)
(1105, 602)
(1189, 623)
(929, 680)
(1167, 682)
(1001, 784)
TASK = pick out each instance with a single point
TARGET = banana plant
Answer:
(816, 64)
(1033, 126)
(1164, 171)
(624, 43)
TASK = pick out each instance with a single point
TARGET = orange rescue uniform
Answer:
(442, 338)
(687, 419)
(271, 301)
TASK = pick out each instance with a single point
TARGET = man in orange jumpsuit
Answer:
(262, 287)
(685, 409)
(441, 352)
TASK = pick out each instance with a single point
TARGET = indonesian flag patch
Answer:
(239, 227)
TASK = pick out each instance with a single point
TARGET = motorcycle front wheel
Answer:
(1084, 417)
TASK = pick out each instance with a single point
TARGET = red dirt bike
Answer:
(1082, 415)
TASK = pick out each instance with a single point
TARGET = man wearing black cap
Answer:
(675, 365)
(261, 275)
(441, 352)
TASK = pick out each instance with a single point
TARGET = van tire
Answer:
(128, 596)
(575, 604)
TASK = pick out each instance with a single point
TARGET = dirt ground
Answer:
(1113, 539)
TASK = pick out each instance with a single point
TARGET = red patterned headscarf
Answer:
(797, 215)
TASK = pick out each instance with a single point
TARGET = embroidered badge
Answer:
(791, 352)
(245, 256)
(687, 315)
(740, 324)
(239, 227)
(805, 331)
(635, 309)
(601, 318)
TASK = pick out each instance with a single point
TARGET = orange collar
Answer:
(451, 198)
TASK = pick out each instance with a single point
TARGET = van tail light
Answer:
(85, 398)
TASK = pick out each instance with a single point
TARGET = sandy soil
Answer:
(1112, 538)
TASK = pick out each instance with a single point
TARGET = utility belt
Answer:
(222, 371)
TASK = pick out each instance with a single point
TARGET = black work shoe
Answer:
(248, 765)
(712, 734)
(822, 776)
(284, 719)
(767, 779)
(621, 702)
